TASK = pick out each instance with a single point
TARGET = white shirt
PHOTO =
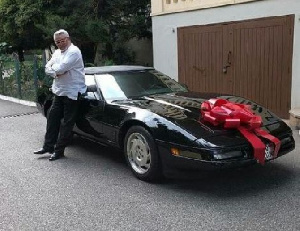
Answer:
(70, 68)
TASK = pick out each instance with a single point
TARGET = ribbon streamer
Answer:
(240, 116)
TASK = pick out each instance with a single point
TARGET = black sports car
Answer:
(160, 125)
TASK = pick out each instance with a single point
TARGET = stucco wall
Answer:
(165, 32)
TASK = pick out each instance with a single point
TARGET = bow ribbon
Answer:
(241, 117)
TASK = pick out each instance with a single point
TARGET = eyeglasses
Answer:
(57, 42)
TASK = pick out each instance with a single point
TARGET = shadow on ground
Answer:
(219, 183)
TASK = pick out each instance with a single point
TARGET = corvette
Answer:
(161, 126)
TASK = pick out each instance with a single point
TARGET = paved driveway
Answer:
(8, 108)
(92, 189)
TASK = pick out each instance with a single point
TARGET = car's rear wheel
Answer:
(141, 154)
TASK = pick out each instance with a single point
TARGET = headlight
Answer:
(228, 155)
(208, 156)
(186, 154)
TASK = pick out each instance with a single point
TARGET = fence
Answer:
(22, 79)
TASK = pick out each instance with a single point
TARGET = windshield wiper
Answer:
(136, 97)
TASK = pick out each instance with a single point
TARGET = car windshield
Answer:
(135, 84)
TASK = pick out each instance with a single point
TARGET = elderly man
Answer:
(67, 68)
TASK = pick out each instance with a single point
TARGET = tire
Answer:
(141, 154)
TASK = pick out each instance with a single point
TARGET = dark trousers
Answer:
(60, 122)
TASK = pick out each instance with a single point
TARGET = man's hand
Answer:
(58, 75)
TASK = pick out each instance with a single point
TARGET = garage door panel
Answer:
(201, 60)
(261, 74)
(251, 58)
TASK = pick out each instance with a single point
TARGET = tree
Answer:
(4, 49)
(95, 25)
(116, 22)
(19, 24)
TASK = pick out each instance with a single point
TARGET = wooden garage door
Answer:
(251, 58)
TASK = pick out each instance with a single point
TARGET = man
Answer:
(67, 68)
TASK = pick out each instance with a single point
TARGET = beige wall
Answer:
(164, 30)
(171, 6)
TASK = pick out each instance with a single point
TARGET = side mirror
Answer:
(92, 88)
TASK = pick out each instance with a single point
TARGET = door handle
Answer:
(229, 58)
(225, 69)
(228, 62)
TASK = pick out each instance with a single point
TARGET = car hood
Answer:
(183, 110)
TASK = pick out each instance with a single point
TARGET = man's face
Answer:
(61, 41)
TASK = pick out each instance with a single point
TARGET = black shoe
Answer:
(43, 151)
(56, 156)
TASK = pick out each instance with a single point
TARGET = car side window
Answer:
(109, 87)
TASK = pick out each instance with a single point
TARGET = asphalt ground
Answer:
(9, 109)
(93, 189)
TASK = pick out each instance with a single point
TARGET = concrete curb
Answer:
(19, 101)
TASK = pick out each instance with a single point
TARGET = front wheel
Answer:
(141, 154)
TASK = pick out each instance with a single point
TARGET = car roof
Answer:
(107, 69)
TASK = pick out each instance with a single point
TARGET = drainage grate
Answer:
(18, 115)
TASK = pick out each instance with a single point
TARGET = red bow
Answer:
(241, 117)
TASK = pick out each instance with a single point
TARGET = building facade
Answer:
(243, 47)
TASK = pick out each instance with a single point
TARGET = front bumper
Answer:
(173, 163)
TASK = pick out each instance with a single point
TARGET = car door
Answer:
(114, 111)
(90, 113)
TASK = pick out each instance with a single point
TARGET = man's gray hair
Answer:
(61, 32)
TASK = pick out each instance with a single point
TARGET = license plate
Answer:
(269, 152)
